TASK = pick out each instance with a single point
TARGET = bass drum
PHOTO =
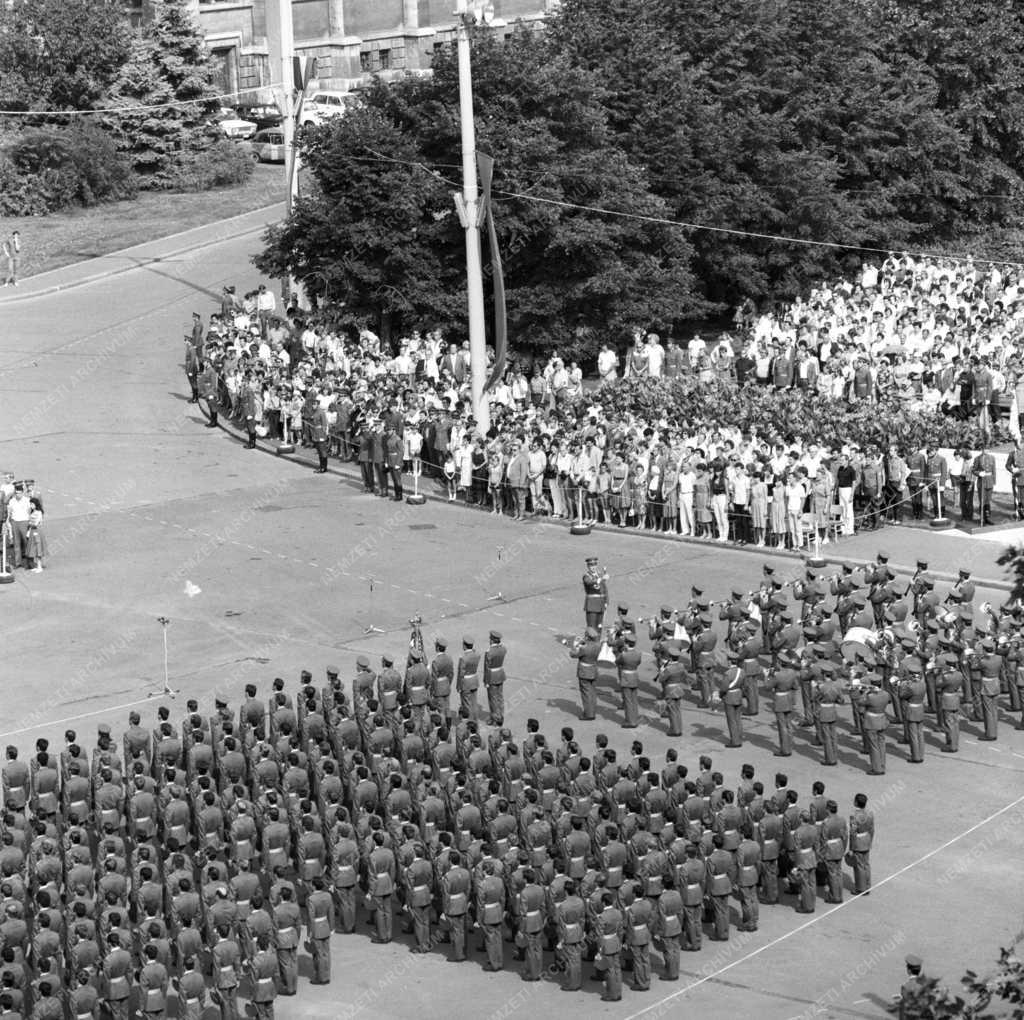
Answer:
(859, 642)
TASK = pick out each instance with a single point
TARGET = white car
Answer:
(323, 105)
(234, 127)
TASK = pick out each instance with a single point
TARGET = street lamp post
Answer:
(470, 215)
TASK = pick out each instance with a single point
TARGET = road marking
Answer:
(156, 696)
(820, 917)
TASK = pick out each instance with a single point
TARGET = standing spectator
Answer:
(607, 364)
(619, 494)
(758, 506)
(12, 253)
(637, 361)
(19, 513)
(702, 514)
(983, 472)
(35, 546)
(720, 499)
(536, 464)
(495, 478)
(673, 360)
(670, 498)
(687, 477)
(846, 480)
(394, 453)
(821, 502)
(655, 356)
(479, 467)
(518, 479)
(638, 492)
(795, 491)
(266, 305)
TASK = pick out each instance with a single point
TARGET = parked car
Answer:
(266, 116)
(322, 105)
(234, 126)
(268, 146)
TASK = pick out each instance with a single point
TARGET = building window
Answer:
(384, 56)
(364, 61)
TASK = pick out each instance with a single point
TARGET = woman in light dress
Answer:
(758, 507)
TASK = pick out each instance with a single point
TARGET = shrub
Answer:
(223, 165)
(71, 165)
(786, 414)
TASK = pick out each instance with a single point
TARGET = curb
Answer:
(784, 554)
(16, 298)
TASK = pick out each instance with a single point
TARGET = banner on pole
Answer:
(486, 164)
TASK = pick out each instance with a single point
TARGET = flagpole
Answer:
(468, 206)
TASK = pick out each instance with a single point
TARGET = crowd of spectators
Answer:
(890, 367)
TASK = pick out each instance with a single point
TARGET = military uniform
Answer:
(586, 655)
(494, 679)
(748, 877)
(320, 908)
(456, 886)
(862, 835)
(673, 678)
(784, 684)
(912, 693)
(730, 689)
(628, 661)
(442, 674)
(832, 842)
(720, 882)
(468, 679)
(595, 595)
(263, 971)
(608, 927)
(876, 701)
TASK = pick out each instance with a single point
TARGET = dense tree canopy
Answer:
(872, 123)
(84, 55)
(386, 237)
(60, 54)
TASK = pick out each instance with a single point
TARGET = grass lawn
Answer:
(50, 242)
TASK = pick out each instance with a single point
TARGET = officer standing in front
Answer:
(494, 679)
(595, 594)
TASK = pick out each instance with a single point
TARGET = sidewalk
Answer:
(945, 552)
(123, 261)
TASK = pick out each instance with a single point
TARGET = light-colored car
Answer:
(322, 105)
(234, 126)
(268, 146)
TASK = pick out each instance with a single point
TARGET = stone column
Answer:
(336, 18)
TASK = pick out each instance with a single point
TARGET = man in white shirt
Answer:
(655, 355)
(695, 348)
(607, 363)
(19, 508)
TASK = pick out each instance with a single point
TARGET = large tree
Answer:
(165, 90)
(866, 122)
(60, 54)
(384, 233)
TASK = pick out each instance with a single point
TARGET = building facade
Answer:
(351, 39)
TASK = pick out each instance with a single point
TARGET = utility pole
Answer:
(281, 43)
(470, 215)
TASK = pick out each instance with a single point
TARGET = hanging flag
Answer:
(486, 164)
(1014, 417)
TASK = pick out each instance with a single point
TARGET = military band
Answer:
(896, 654)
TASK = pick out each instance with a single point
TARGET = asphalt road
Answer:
(263, 569)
